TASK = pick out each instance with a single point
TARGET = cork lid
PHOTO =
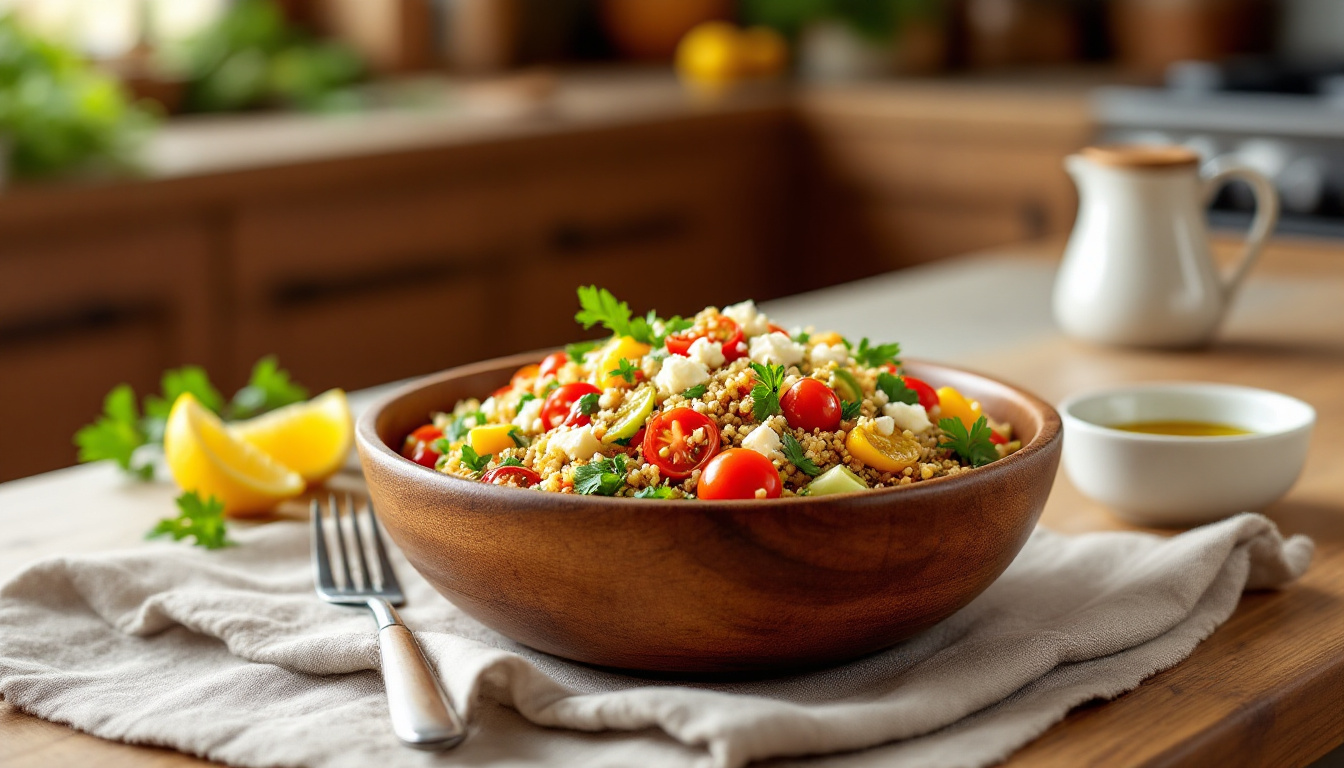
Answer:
(1141, 156)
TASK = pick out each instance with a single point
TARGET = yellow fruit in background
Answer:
(616, 350)
(762, 52)
(710, 54)
(312, 438)
(204, 456)
(491, 438)
(954, 405)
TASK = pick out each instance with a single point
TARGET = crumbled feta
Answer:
(609, 398)
(490, 408)
(529, 416)
(777, 349)
(765, 441)
(679, 374)
(575, 442)
(884, 425)
(880, 398)
(745, 314)
(706, 352)
(911, 417)
(822, 354)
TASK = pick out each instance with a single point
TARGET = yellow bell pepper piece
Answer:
(491, 438)
(881, 452)
(618, 349)
(955, 405)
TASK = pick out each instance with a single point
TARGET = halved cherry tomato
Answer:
(531, 371)
(997, 439)
(560, 403)
(738, 473)
(419, 446)
(927, 396)
(810, 404)
(666, 442)
(724, 330)
(552, 363)
(524, 477)
(502, 391)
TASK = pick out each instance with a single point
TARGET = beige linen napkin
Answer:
(228, 655)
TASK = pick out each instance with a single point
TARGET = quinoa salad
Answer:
(722, 405)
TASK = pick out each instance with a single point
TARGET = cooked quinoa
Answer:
(635, 414)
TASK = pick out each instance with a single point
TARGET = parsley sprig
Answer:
(604, 477)
(116, 434)
(695, 392)
(599, 306)
(896, 388)
(586, 405)
(765, 393)
(475, 461)
(973, 446)
(270, 387)
(849, 409)
(793, 451)
(875, 356)
(578, 349)
(203, 521)
(656, 492)
(626, 370)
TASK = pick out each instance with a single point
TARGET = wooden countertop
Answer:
(1266, 689)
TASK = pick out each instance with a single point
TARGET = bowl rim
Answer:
(1078, 423)
(366, 436)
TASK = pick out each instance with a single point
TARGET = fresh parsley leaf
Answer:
(511, 462)
(203, 521)
(550, 387)
(765, 394)
(626, 370)
(116, 434)
(598, 306)
(896, 388)
(793, 451)
(474, 461)
(578, 349)
(604, 477)
(586, 405)
(675, 324)
(694, 392)
(523, 400)
(876, 356)
(177, 382)
(849, 409)
(516, 435)
(801, 337)
(269, 388)
(656, 492)
(442, 446)
(973, 446)
(460, 426)
(623, 441)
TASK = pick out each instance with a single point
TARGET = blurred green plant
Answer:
(57, 113)
(875, 20)
(252, 58)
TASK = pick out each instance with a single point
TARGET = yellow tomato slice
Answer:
(881, 452)
(618, 349)
(491, 438)
(954, 405)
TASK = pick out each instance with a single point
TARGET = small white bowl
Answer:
(1165, 480)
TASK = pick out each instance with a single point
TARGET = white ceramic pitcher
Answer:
(1138, 268)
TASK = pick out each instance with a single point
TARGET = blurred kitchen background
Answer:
(373, 189)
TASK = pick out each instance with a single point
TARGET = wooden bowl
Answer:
(700, 586)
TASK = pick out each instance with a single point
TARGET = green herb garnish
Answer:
(116, 434)
(876, 356)
(695, 392)
(516, 435)
(599, 306)
(511, 462)
(765, 394)
(849, 409)
(461, 425)
(973, 446)
(176, 382)
(203, 521)
(896, 388)
(656, 492)
(626, 370)
(578, 349)
(602, 478)
(523, 400)
(587, 405)
(801, 337)
(269, 388)
(474, 461)
(793, 451)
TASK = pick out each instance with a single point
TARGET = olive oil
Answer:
(1182, 428)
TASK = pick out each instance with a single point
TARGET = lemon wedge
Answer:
(204, 456)
(312, 438)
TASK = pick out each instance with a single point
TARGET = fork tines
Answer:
(351, 577)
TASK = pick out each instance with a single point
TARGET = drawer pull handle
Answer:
(657, 227)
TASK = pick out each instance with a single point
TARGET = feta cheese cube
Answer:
(765, 441)
(706, 352)
(911, 417)
(679, 374)
(745, 314)
(829, 353)
(575, 442)
(777, 349)
(529, 416)
(884, 425)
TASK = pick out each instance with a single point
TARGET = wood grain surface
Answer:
(1266, 689)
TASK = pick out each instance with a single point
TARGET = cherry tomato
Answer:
(738, 473)
(722, 329)
(777, 329)
(927, 396)
(810, 404)
(502, 391)
(997, 439)
(552, 363)
(419, 446)
(524, 477)
(523, 374)
(666, 447)
(562, 400)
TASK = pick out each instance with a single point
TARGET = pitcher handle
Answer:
(1218, 172)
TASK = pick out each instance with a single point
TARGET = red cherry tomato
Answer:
(502, 391)
(738, 473)
(524, 477)
(777, 329)
(559, 404)
(927, 396)
(419, 446)
(523, 374)
(997, 439)
(552, 363)
(666, 443)
(722, 329)
(810, 405)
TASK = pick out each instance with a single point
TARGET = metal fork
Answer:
(422, 715)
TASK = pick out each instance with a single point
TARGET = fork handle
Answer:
(422, 715)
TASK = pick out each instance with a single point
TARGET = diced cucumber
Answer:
(847, 387)
(632, 414)
(837, 479)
